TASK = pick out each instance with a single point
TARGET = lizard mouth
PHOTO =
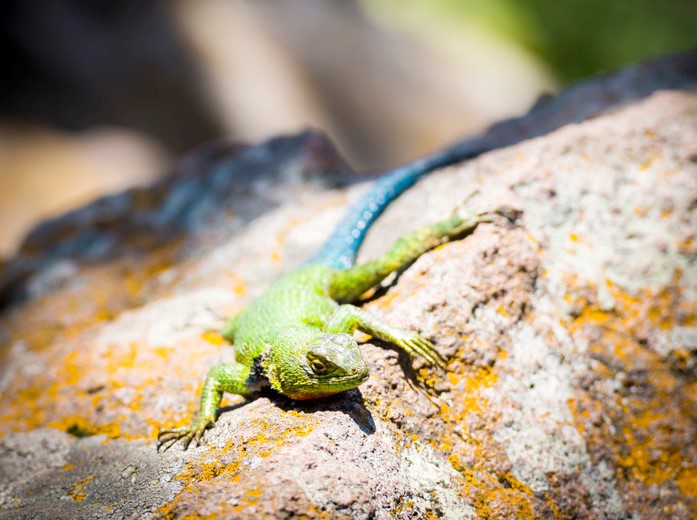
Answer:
(327, 386)
(347, 379)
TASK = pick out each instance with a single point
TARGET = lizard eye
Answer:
(319, 365)
(318, 368)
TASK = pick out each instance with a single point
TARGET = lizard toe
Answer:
(187, 439)
(416, 344)
(187, 434)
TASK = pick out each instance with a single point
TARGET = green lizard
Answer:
(297, 336)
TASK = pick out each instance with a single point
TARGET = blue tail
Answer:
(340, 249)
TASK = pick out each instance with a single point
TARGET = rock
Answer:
(571, 382)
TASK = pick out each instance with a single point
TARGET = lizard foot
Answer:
(187, 434)
(414, 344)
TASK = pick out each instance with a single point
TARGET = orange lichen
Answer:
(463, 430)
(78, 494)
(61, 399)
(281, 238)
(70, 311)
(687, 481)
(686, 247)
(644, 424)
(646, 164)
(641, 211)
(213, 337)
(487, 489)
(515, 503)
(474, 383)
(61, 325)
(386, 300)
(269, 437)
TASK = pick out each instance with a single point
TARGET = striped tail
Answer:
(340, 249)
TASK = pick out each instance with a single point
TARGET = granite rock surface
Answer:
(571, 340)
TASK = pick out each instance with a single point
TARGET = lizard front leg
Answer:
(347, 318)
(233, 378)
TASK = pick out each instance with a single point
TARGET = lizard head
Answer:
(325, 365)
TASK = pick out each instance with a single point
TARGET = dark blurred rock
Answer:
(214, 190)
(78, 64)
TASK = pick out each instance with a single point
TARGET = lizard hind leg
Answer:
(347, 285)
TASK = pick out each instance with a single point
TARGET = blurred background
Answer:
(98, 96)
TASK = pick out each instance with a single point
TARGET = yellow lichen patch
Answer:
(401, 506)
(213, 337)
(511, 503)
(643, 456)
(642, 427)
(387, 300)
(162, 352)
(68, 312)
(641, 211)
(269, 436)
(486, 488)
(687, 481)
(103, 391)
(686, 247)
(58, 327)
(474, 382)
(646, 164)
(78, 494)
(463, 431)
(281, 238)
(490, 490)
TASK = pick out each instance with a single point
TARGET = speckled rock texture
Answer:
(571, 388)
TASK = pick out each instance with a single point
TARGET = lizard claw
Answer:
(509, 213)
(416, 344)
(187, 434)
(493, 214)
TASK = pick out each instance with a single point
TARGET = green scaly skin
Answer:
(297, 336)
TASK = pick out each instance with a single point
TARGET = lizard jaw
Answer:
(328, 388)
